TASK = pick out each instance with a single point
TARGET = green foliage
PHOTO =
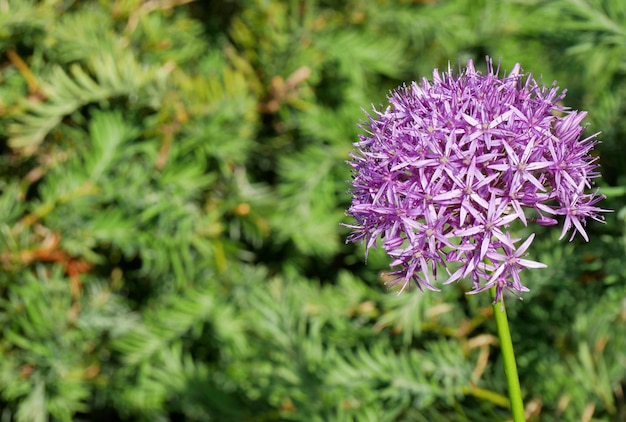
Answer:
(172, 189)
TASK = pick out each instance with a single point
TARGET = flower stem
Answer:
(510, 368)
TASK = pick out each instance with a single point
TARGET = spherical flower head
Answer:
(442, 172)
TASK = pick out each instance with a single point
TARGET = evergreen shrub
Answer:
(172, 183)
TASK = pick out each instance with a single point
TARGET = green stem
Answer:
(510, 368)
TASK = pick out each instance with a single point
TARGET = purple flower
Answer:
(443, 171)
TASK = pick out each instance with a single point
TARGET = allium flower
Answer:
(441, 173)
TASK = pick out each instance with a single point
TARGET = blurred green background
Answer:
(172, 183)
